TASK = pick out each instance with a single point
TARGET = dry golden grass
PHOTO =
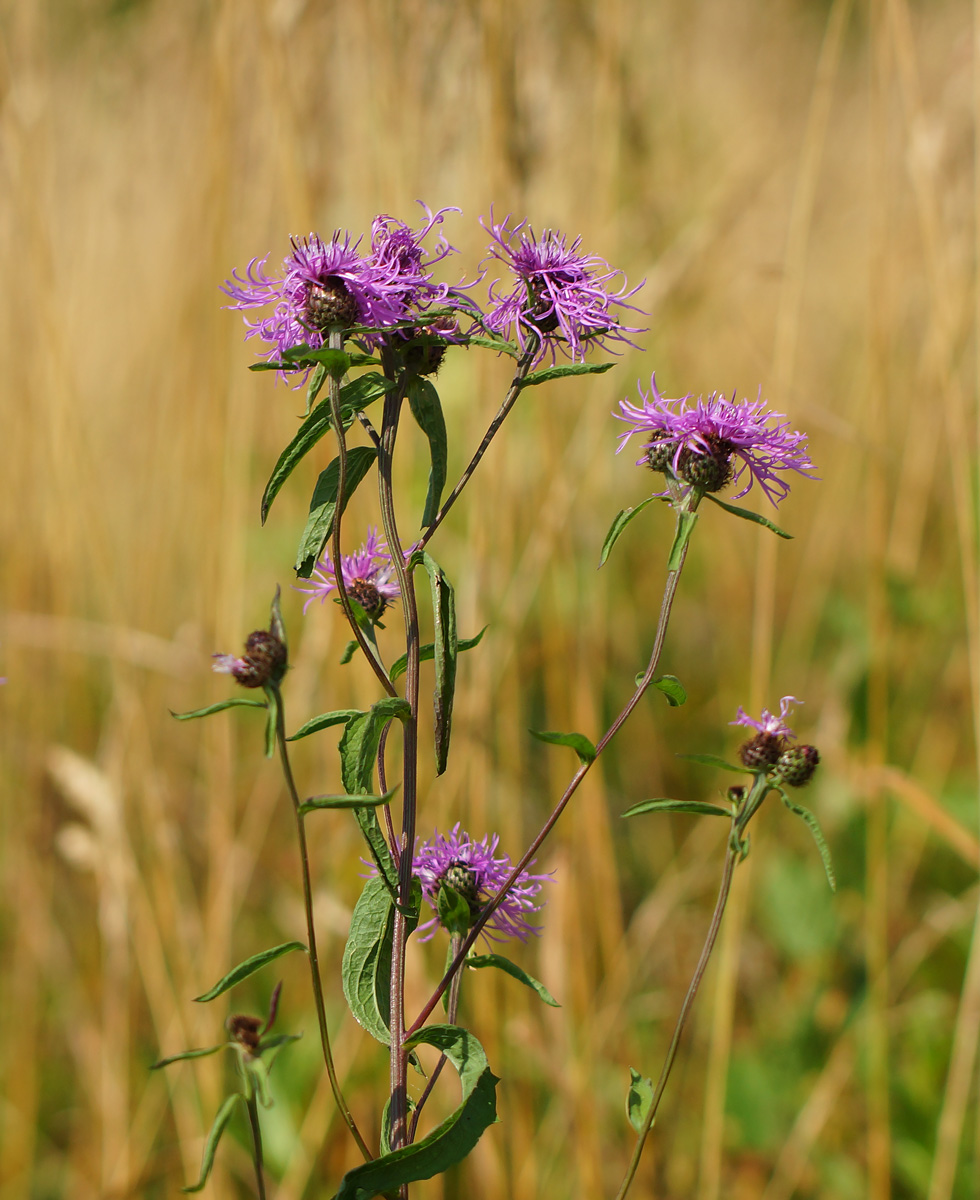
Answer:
(795, 180)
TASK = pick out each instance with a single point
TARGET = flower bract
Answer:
(368, 577)
(710, 443)
(560, 297)
(477, 871)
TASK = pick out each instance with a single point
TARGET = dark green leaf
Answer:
(423, 400)
(672, 688)
(621, 520)
(165, 1062)
(450, 1141)
(698, 807)
(249, 967)
(576, 741)
(453, 909)
(349, 651)
(638, 1099)
(234, 702)
(550, 373)
(446, 649)
(685, 527)
(516, 972)
(214, 1137)
(360, 801)
(713, 760)
(747, 515)
(315, 386)
(325, 720)
(497, 344)
(323, 505)
(337, 362)
(427, 652)
(359, 744)
(814, 826)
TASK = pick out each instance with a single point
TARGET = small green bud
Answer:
(796, 765)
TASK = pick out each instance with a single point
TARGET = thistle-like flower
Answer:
(477, 872)
(772, 733)
(710, 443)
(264, 660)
(330, 285)
(561, 297)
(368, 577)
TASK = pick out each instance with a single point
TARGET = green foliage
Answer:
(426, 407)
(672, 688)
(323, 505)
(214, 1137)
(620, 521)
(244, 969)
(446, 648)
(639, 1098)
(232, 702)
(547, 374)
(366, 969)
(427, 653)
(339, 716)
(697, 807)
(685, 527)
(515, 972)
(368, 800)
(575, 741)
(747, 515)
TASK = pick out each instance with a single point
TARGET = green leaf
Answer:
(315, 386)
(272, 720)
(165, 1062)
(620, 521)
(360, 801)
(337, 362)
(353, 396)
(685, 527)
(446, 649)
(423, 400)
(234, 702)
(323, 505)
(748, 515)
(814, 826)
(427, 652)
(516, 972)
(497, 344)
(349, 651)
(638, 1099)
(672, 688)
(713, 760)
(359, 744)
(550, 373)
(576, 741)
(339, 716)
(454, 910)
(698, 807)
(366, 968)
(452, 1139)
(249, 967)
(214, 1137)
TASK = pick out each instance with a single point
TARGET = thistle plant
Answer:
(364, 326)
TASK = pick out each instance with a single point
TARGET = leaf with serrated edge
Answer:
(814, 826)
(575, 741)
(234, 702)
(747, 515)
(249, 967)
(516, 972)
(452, 1139)
(620, 521)
(698, 807)
(713, 760)
(638, 1099)
(165, 1062)
(214, 1137)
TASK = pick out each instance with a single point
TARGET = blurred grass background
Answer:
(795, 179)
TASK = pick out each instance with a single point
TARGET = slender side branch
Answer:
(321, 1012)
(670, 591)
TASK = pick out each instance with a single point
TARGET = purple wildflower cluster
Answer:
(560, 297)
(368, 577)
(710, 443)
(477, 872)
(768, 723)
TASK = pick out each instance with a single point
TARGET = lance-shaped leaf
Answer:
(184, 1054)
(452, 1139)
(214, 1137)
(747, 515)
(559, 372)
(576, 741)
(337, 362)
(271, 720)
(685, 527)
(446, 648)
(697, 807)
(814, 826)
(638, 1099)
(323, 505)
(516, 972)
(620, 521)
(672, 688)
(233, 702)
(315, 386)
(359, 744)
(713, 760)
(366, 968)
(386, 1120)
(454, 911)
(248, 967)
(353, 396)
(427, 653)
(339, 716)
(497, 344)
(423, 400)
(364, 800)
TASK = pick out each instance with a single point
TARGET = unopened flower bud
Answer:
(463, 879)
(264, 661)
(245, 1030)
(736, 795)
(660, 455)
(761, 751)
(331, 305)
(796, 765)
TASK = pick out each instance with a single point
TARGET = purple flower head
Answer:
(561, 296)
(368, 577)
(768, 723)
(327, 285)
(709, 443)
(477, 872)
(264, 660)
